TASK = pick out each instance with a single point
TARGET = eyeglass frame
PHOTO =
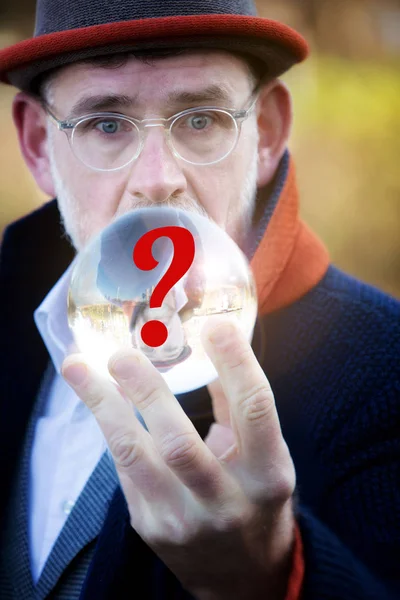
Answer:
(68, 126)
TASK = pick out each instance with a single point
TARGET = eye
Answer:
(108, 127)
(199, 121)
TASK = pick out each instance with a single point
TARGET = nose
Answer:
(156, 175)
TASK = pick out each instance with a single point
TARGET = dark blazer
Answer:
(332, 359)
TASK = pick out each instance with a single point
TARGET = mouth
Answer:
(187, 205)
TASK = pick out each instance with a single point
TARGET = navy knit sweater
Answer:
(332, 359)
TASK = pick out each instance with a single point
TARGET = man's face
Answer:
(89, 200)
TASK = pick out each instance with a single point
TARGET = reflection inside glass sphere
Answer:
(135, 275)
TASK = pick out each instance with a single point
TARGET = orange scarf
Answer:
(290, 259)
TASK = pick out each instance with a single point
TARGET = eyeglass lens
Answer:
(109, 143)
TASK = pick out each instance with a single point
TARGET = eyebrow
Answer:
(213, 93)
(91, 104)
(110, 102)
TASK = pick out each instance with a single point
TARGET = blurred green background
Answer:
(346, 137)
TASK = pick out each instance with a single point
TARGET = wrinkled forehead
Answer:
(167, 81)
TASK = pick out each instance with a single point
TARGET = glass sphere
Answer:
(150, 281)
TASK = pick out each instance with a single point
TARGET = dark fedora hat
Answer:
(71, 30)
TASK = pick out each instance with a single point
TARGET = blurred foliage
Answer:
(350, 100)
(346, 144)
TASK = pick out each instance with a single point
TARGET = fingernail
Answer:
(221, 334)
(75, 374)
(124, 368)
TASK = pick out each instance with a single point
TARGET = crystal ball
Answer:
(150, 280)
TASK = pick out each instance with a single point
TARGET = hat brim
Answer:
(277, 46)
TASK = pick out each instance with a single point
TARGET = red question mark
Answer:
(155, 333)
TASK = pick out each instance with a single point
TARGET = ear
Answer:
(274, 119)
(30, 122)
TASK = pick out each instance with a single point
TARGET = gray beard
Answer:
(75, 224)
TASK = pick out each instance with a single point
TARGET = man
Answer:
(295, 490)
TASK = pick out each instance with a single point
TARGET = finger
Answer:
(137, 462)
(254, 418)
(174, 435)
(221, 441)
(220, 404)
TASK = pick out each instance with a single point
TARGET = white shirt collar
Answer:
(52, 321)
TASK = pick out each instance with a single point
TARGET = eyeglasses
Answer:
(107, 141)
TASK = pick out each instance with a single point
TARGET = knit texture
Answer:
(15, 571)
(65, 570)
(57, 15)
(79, 29)
(332, 359)
(66, 567)
(277, 46)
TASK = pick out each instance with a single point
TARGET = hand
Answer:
(223, 524)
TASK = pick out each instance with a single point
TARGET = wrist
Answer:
(271, 564)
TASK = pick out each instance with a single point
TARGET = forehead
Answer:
(154, 80)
